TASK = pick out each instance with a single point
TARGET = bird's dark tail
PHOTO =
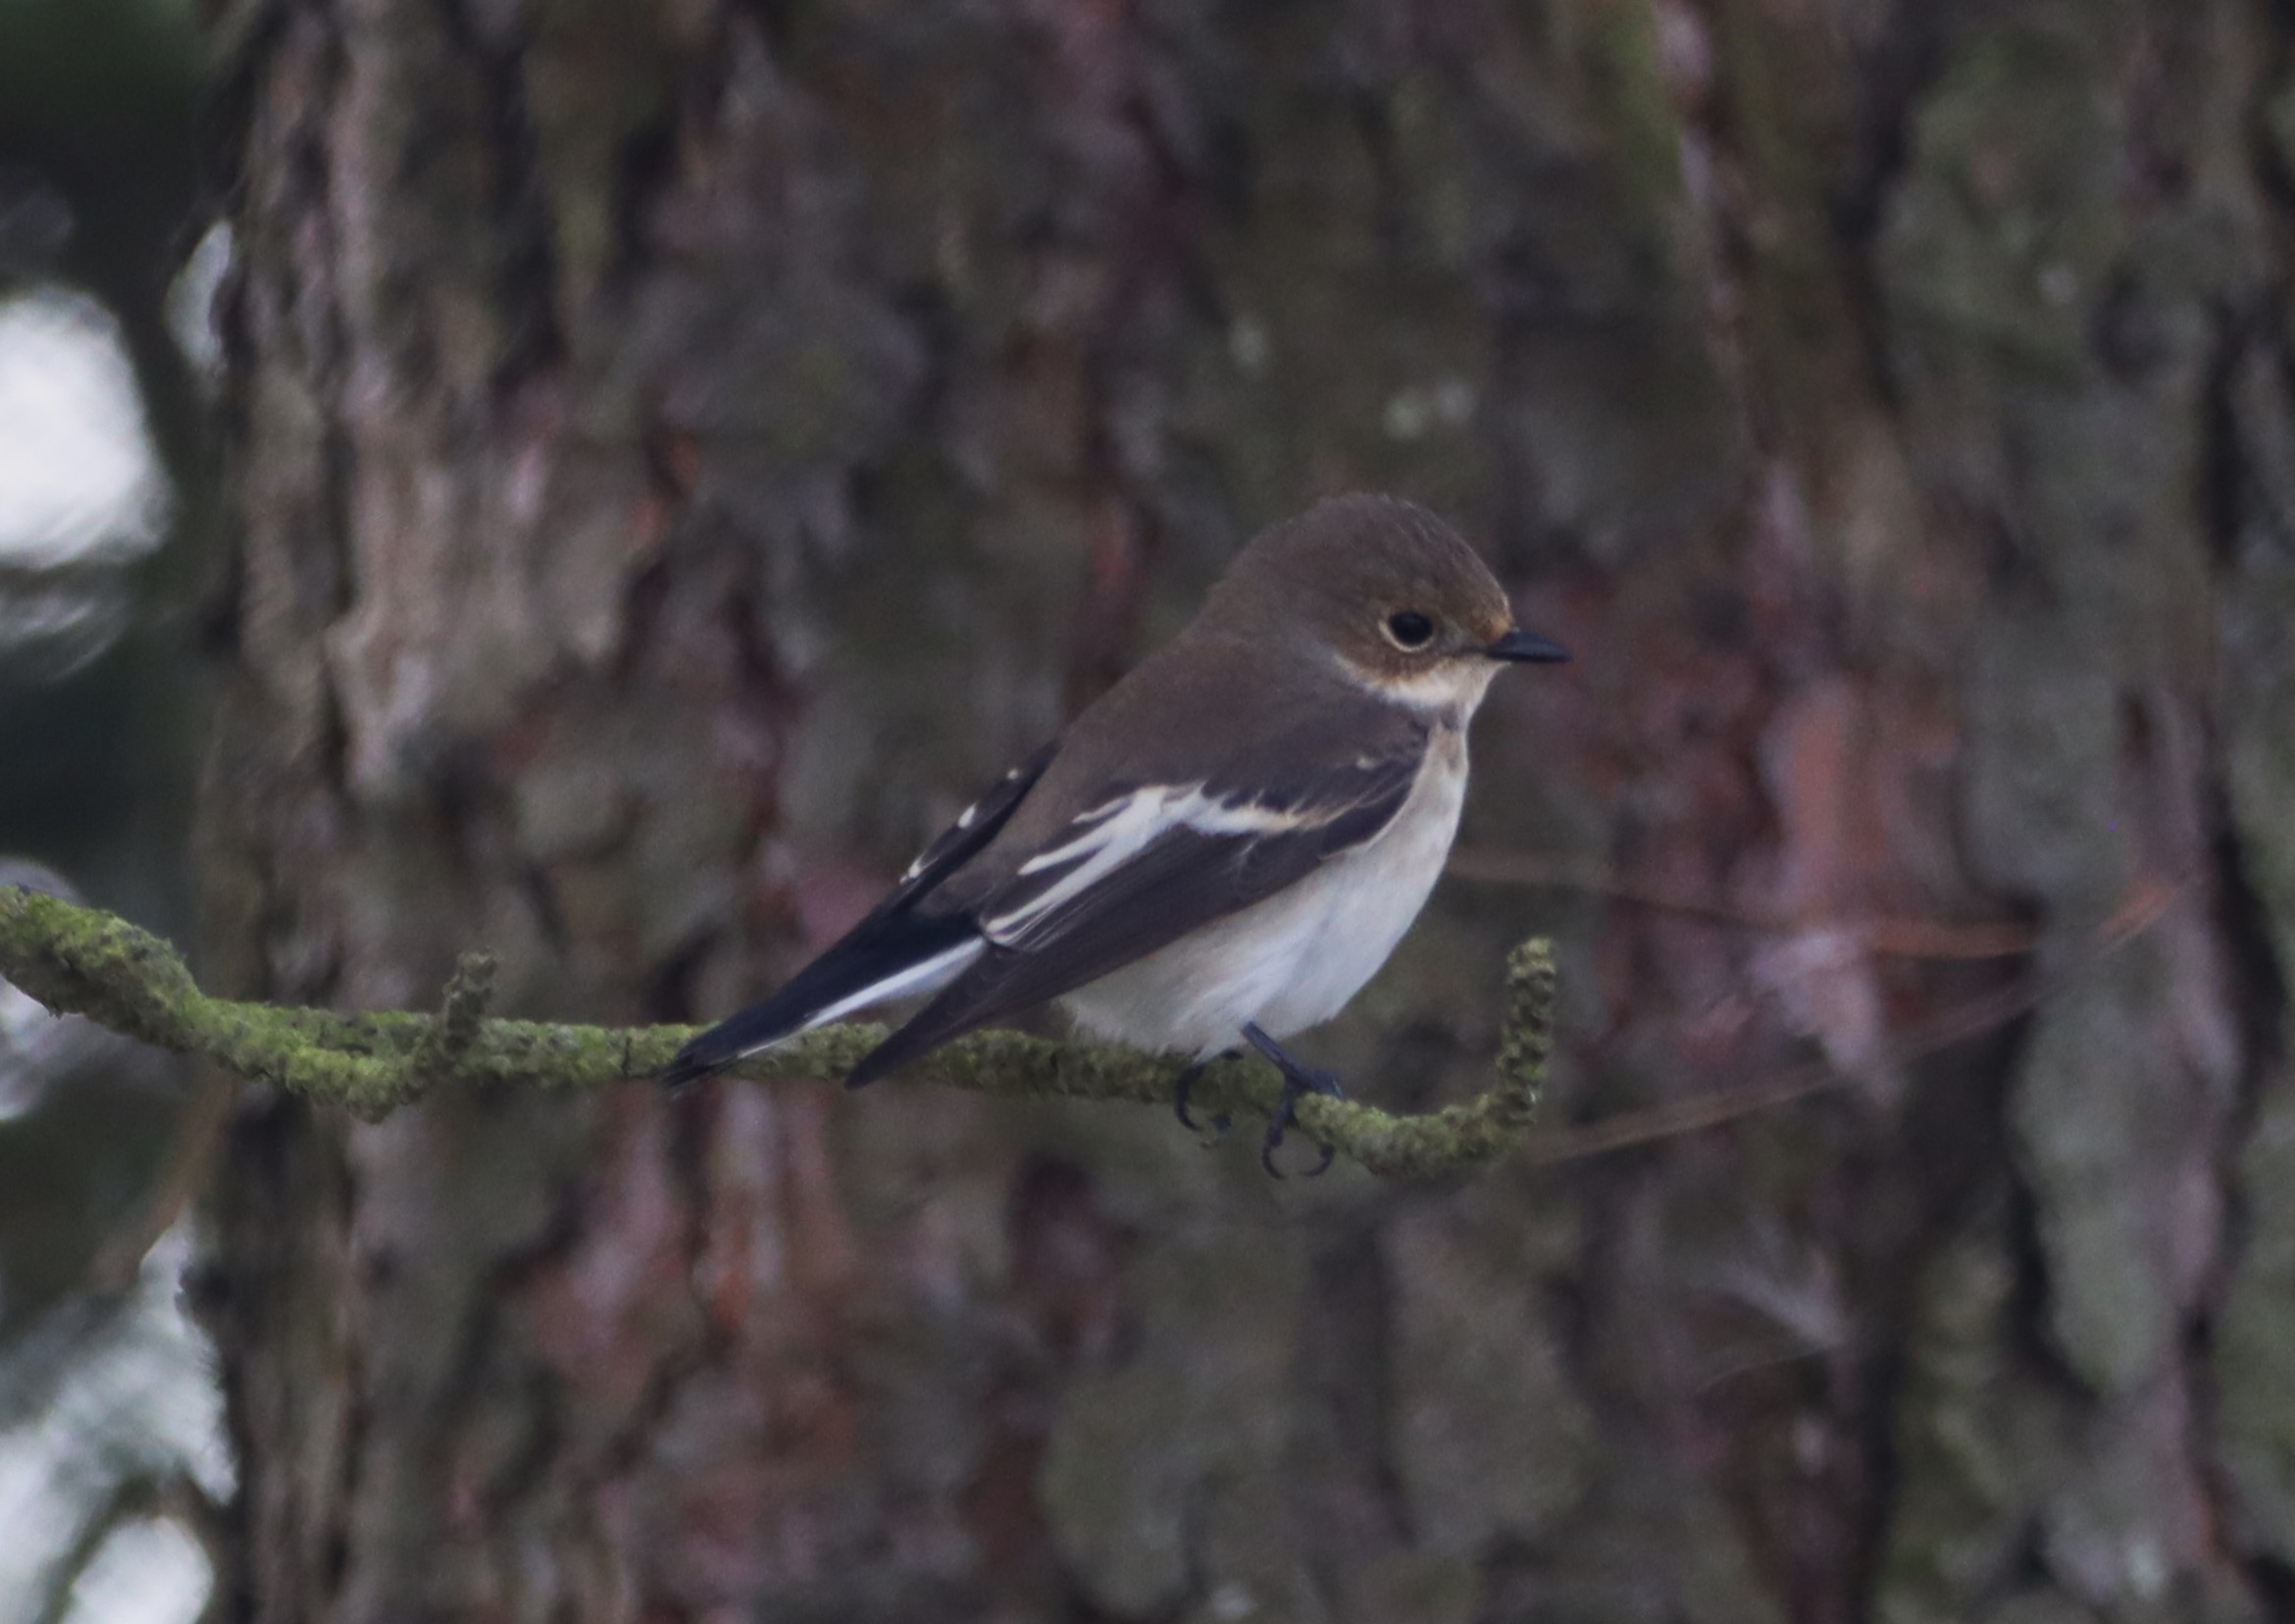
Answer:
(882, 958)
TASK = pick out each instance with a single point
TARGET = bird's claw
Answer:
(1180, 1090)
(1298, 1081)
(1296, 1085)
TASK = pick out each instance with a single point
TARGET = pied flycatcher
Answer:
(1226, 845)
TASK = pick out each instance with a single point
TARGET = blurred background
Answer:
(109, 1409)
(604, 480)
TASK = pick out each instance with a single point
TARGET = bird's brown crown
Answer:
(1390, 587)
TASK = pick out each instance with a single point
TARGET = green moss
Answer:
(1492, 1441)
(596, 75)
(1151, 1457)
(2253, 1372)
(2012, 213)
(1970, 1473)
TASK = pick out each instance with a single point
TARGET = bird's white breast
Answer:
(1293, 959)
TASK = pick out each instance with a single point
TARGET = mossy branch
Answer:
(84, 962)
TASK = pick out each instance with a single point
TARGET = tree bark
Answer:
(679, 451)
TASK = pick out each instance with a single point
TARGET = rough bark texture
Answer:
(683, 448)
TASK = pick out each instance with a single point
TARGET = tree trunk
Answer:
(681, 451)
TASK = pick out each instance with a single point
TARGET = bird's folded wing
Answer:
(1141, 869)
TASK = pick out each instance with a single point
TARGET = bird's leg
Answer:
(1180, 1089)
(1298, 1078)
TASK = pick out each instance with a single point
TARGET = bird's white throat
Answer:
(1451, 687)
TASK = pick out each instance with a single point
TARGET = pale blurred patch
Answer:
(148, 1572)
(109, 1411)
(191, 304)
(82, 490)
(80, 482)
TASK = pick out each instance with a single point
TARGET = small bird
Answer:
(1225, 845)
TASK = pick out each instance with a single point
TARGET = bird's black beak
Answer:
(1527, 646)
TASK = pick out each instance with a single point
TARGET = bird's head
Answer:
(1392, 592)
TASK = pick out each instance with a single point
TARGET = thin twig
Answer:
(82, 961)
(2146, 905)
(1888, 935)
(193, 1148)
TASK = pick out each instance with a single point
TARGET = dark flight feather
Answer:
(900, 934)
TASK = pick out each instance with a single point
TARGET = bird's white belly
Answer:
(1293, 959)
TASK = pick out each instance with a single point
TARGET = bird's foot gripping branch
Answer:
(82, 961)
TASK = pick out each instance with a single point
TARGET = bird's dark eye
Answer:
(1410, 630)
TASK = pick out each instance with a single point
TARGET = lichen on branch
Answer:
(82, 961)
